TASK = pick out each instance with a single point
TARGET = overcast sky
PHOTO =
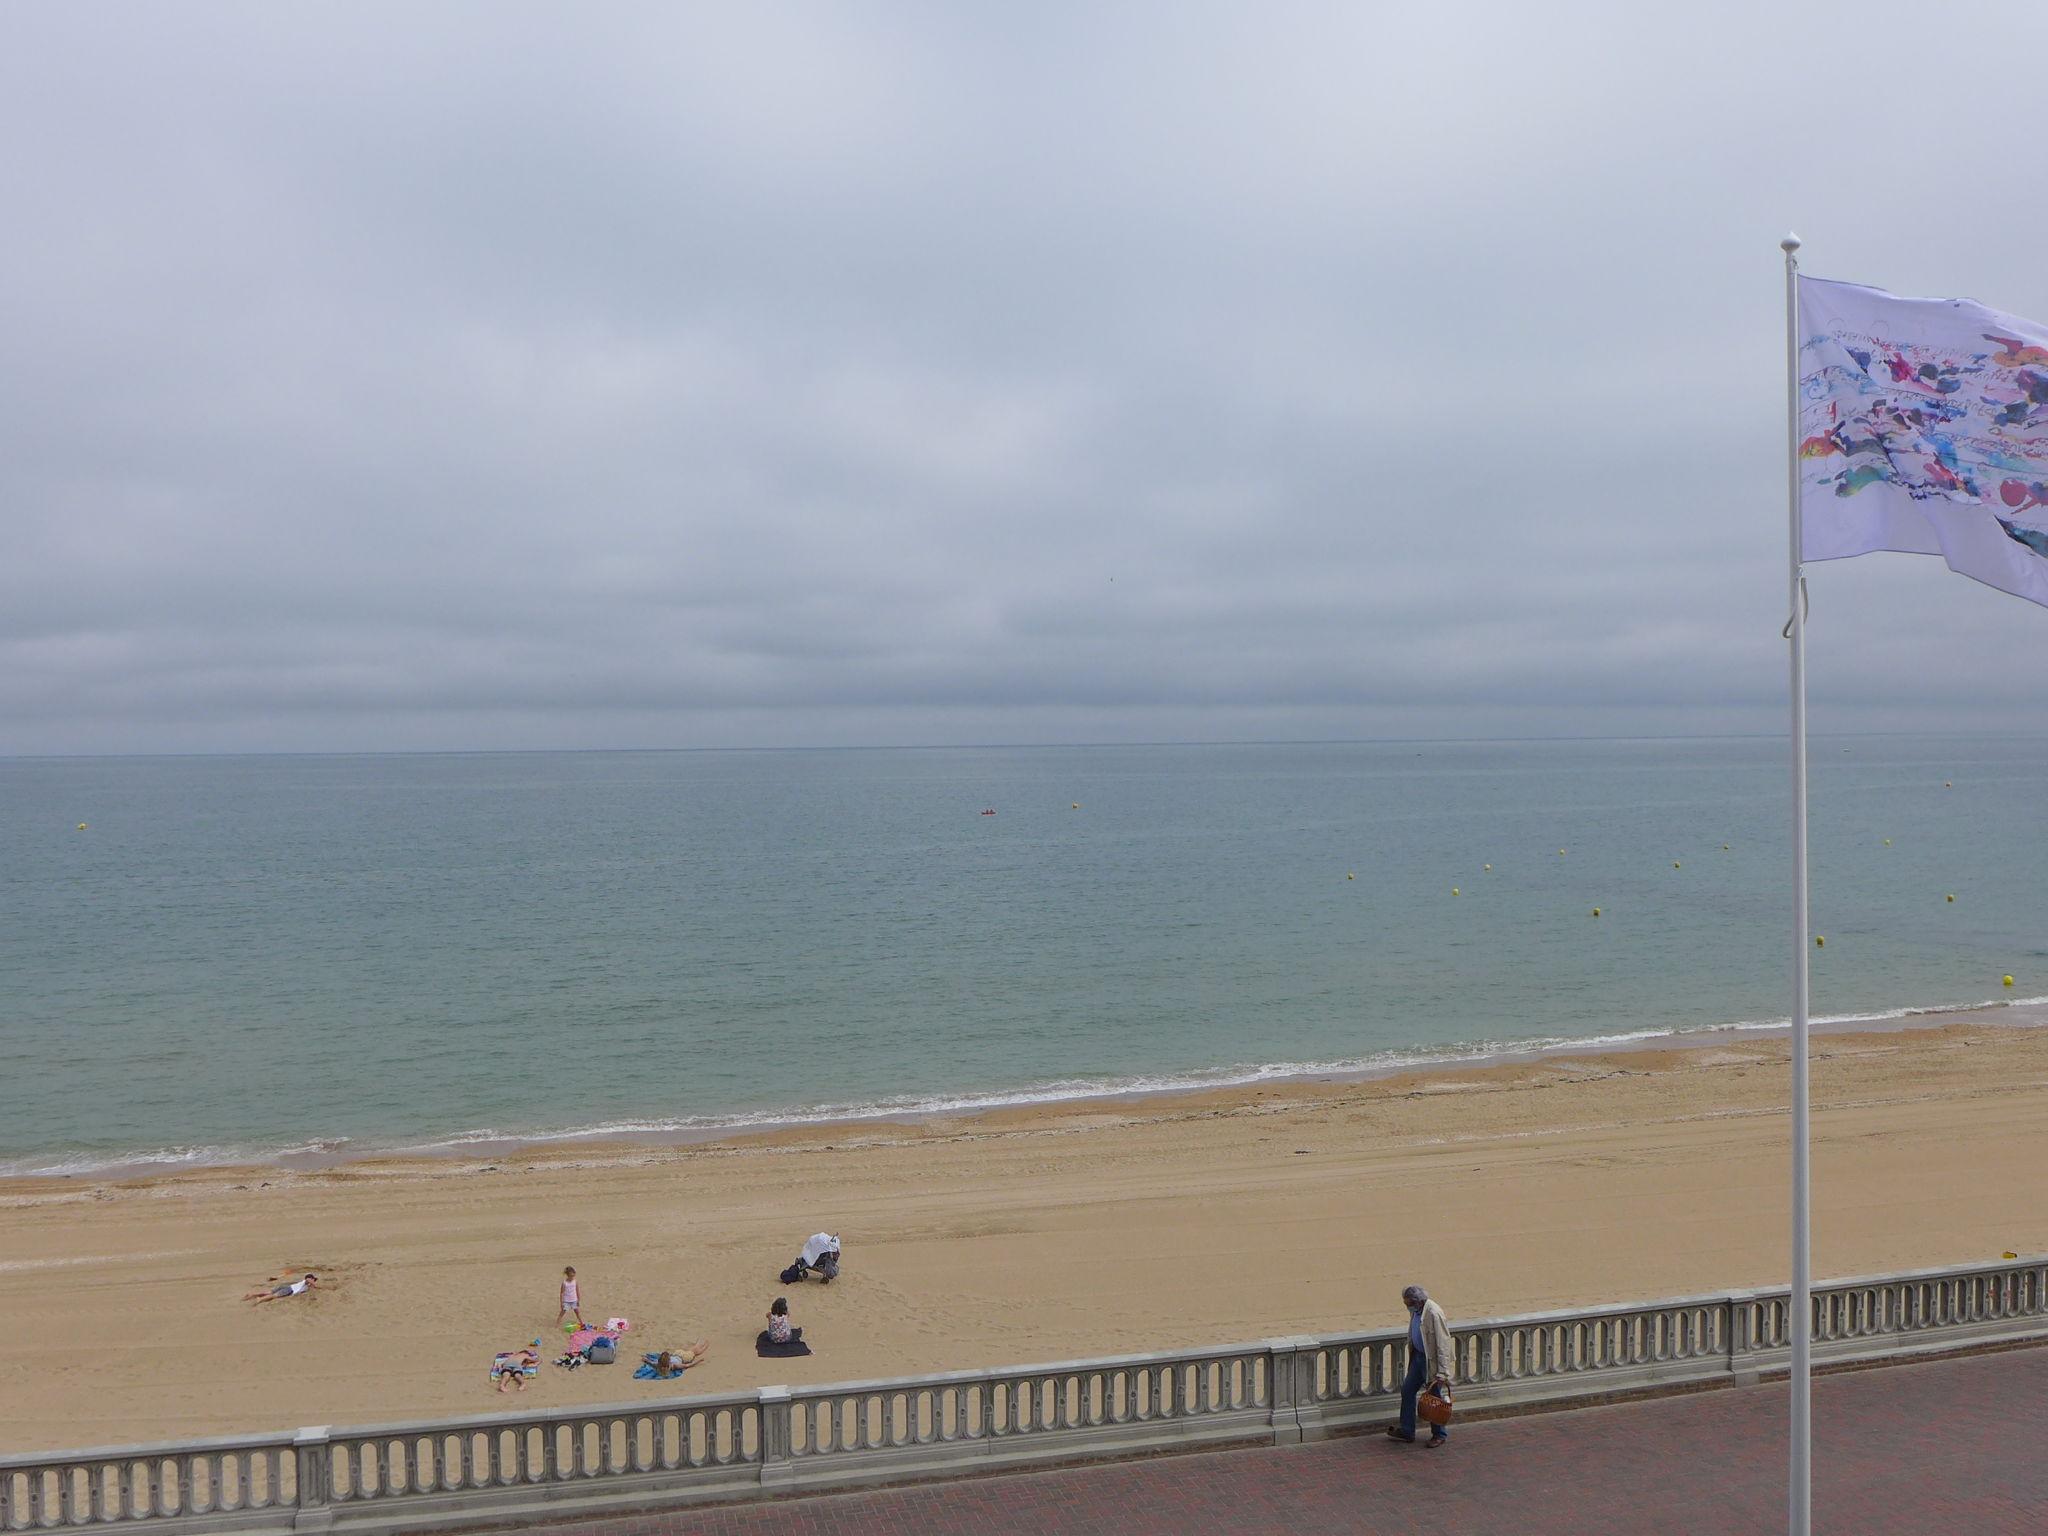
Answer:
(656, 375)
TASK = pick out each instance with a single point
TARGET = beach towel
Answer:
(505, 1361)
(647, 1372)
(583, 1338)
(768, 1351)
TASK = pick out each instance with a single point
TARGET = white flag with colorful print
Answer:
(1923, 427)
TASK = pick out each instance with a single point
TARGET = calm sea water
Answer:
(253, 954)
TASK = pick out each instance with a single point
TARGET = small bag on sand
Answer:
(794, 1274)
(601, 1352)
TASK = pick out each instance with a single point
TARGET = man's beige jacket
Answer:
(1436, 1342)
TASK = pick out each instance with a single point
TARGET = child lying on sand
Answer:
(297, 1287)
(516, 1365)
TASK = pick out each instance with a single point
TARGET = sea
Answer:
(209, 960)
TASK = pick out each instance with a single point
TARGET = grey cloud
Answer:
(610, 375)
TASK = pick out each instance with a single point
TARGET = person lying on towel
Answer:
(513, 1366)
(671, 1363)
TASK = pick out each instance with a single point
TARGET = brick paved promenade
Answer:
(1889, 1456)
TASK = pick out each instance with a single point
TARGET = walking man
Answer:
(1430, 1353)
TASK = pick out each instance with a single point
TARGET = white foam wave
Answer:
(925, 1106)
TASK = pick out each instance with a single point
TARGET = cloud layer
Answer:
(500, 375)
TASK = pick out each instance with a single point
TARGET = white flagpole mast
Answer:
(1800, 1307)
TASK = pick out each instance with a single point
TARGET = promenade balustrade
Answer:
(591, 1462)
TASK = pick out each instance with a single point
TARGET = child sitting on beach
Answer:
(297, 1287)
(572, 1301)
(779, 1331)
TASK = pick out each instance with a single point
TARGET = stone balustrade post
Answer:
(777, 1465)
(1743, 1365)
(1295, 1411)
(314, 1467)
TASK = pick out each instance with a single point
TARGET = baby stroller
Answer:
(820, 1254)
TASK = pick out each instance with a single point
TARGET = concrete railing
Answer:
(585, 1462)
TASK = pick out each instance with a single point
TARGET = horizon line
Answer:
(989, 746)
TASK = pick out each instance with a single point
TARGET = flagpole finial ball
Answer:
(1789, 244)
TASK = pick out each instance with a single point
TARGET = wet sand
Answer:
(1016, 1235)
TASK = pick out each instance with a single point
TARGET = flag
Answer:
(1923, 428)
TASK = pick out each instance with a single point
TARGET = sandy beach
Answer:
(1012, 1236)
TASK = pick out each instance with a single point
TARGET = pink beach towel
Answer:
(583, 1338)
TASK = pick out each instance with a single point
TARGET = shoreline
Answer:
(1039, 1232)
(627, 1141)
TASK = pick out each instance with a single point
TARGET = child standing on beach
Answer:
(572, 1302)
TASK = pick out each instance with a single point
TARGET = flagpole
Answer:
(1800, 1305)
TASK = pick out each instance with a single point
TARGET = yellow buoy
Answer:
(1887, 842)
(1948, 784)
(1351, 877)
(81, 826)
(1951, 895)
(1560, 853)
(1454, 890)
(2008, 981)
(1724, 847)
(1676, 865)
(1489, 866)
(1820, 941)
(1596, 911)
(1077, 805)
